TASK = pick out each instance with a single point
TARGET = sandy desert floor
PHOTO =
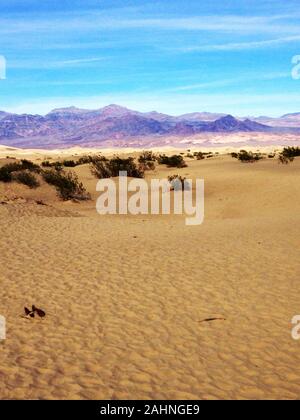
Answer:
(125, 295)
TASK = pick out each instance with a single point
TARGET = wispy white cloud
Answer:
(98, 21)
(42, 64)
(231, 82)
(238, 46)
(82, 61)
(197, 86)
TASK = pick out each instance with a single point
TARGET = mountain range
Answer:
(119, 126)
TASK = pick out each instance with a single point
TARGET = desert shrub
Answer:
(190, 156)
(147, 156)
(58, 166)
(177, 182)
(30, 166)
(22, 166)
(67, 184)
(284, 159)
(163, 159)
(117, 164)
(69, 163)
(199, 155)
(288, 154)
(6, 171)
(147, 160)
(247, 157)
(107, 168)
(26, 178)
(146, 166)
(46, 164)
(271, 156)
(100, 168)
(83, 160)
(291, 151)
(175, 161)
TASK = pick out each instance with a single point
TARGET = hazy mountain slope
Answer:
(74, 126)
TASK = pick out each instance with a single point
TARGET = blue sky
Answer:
(172, 56)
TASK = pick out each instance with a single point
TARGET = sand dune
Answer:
(125, 295)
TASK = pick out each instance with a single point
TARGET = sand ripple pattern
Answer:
(124, 298)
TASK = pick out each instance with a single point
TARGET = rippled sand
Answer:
(125, 295)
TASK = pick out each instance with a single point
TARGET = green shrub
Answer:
(6, 171)
(288, 154)
(178, 183)
(67, 184)
(147, 156)
(199, 155)
(108, 168)
(46, 164)
(83, 160)
(147, 161)
(26, 177)
(69, 163)
(247, 157)
(56, 165)
(30, 166)
(175, 161)
(147, 166)
(100, 168)
(284, 159)
(117, 164)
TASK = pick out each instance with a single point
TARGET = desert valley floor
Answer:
(125, 295)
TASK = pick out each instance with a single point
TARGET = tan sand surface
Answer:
(125, 295)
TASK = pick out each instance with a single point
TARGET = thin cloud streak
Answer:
(230, 82)
(42, 65)
(238, 46)
(83, 61)
(98, 21)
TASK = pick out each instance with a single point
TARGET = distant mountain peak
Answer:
(228, 121)
(114, 110)
(228, 117)
(230, 124)
(114, 107)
